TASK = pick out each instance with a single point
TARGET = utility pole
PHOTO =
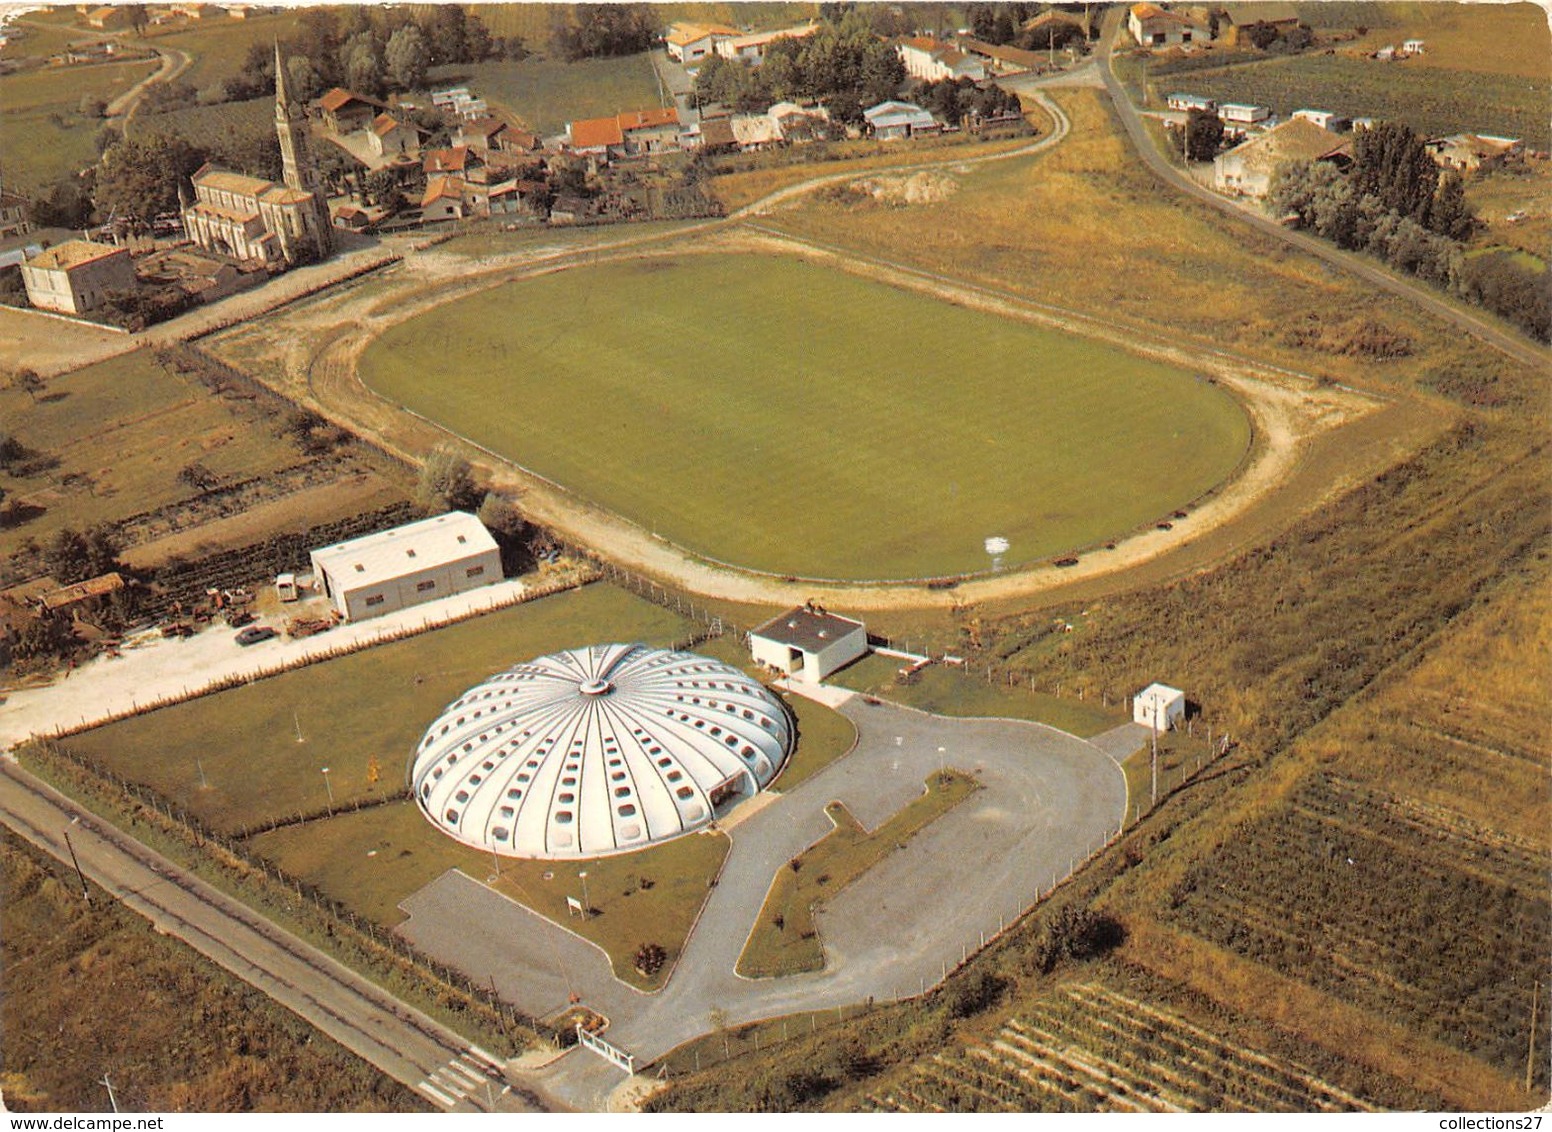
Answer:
(86, 893)
(111, 1100)
(1530, 1054)
(1154, 762)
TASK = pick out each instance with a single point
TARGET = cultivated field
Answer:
(700, 397)
(1432, 100)
(44, 108)
(108, 444)
(1500, 39)
(97, 991)
(211, 127)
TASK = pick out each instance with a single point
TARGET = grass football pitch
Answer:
(784, 417)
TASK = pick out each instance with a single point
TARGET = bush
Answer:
(1076, 934)
(973, 992)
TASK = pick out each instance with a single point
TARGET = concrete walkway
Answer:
(1049, 801)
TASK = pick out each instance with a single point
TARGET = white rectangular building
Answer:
(393, 569)
(808, 643)
(1159, 707)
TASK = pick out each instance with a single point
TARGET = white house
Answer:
(808, 642)
(892, 119)
(1325, 119)
(1159, 706)
(751, 48)
(1152, 26)
(690, 43)
(404, 566)
(77, 276)
(931, 61)
(1242, 113)
(1190, 102)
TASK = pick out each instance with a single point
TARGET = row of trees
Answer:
(1004, 24)
(1396, 205)
(952, 100)
(370, 50)
(591, 31)
(843, 65)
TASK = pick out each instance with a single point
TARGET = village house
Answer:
(1248, 169)
(458, 161)
(932, 61)
(77, 276)
(114, 17)
(444, 199)
(345, 112)
(690, 43)
(1003, 59)
(894, 120)
(491, 135)
(628, 134)
(13, 214)
(751, 48)
(389, 138)
(1152, 26)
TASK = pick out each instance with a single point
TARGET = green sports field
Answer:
(780, 416)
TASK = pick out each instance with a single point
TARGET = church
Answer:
(250, 218)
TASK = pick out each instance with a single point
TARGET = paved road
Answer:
(397, 1039)
(1048, 801)
(1507, 342)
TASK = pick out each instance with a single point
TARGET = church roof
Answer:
(224, 180)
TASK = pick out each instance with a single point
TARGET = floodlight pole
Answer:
(587, 907)
(328, 788)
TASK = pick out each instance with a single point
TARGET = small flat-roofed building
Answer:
(1325, 119)
(1243, 113)
(751, 48)
(1190, 102)
(75, 277)
(808, 642)
(404, 566)
(892, 120)
(1159, 706)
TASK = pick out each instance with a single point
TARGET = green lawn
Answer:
(1432, 100)
(371, 705)
(799, 420)
(544, 95)
(46, 136)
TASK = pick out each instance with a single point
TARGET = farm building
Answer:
(1236, 19)
(751, 48)
(1247, 169)
(76, 276)
(1471, 152)
(808, 642)
(393, 569)
(1159, 706)
(892, 120)
(598, 750)
(345, 111)
(388, 137)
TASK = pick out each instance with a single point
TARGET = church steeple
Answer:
(297, 168)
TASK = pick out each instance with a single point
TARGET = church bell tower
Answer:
(298, 169)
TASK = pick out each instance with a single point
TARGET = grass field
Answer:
(43, 107)
(1505, 39)
(95, 991)
(219, 45)
(1432, 100)
(544, 95)
(122, 430)
(784, 940)
(370, 705)
(946, 691)
(803, 421)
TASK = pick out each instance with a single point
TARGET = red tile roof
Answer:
(595, 133)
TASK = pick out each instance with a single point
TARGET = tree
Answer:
(407, 58)
(138, 17)
(1450, 213)
(382, 188)
(198, 476)
(446, 483)
(596, 30)
(138, 178)
(500, 516)
(1202, 136)
(1391, 164)
(302, 78)
(363, 64)
(650, 958)
(93, 107)
(1261, 34)
(73, 556)
(27, 380)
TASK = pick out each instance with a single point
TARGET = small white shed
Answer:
(808, 642)
(1159, 706)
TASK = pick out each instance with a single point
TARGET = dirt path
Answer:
(174, 63)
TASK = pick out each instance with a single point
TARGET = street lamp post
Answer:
(327, 787)
(587, 907)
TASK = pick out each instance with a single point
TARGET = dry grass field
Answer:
(44, 107)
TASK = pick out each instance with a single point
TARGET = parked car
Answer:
(253, 634)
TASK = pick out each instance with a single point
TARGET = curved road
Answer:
(1513, 345)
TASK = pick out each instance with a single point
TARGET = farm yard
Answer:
(696, 396)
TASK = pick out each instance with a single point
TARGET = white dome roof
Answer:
(597, 750)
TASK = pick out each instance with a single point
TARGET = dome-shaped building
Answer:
(598, 750)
